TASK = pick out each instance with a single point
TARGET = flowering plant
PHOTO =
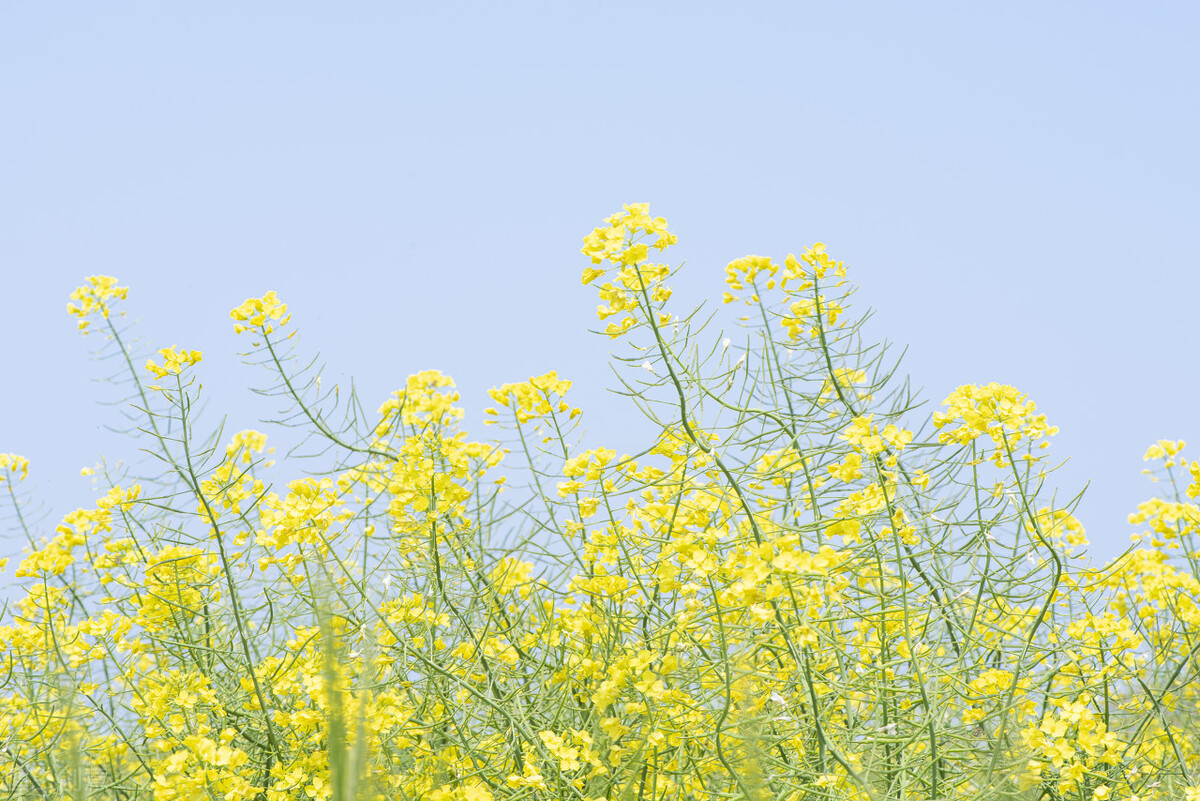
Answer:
(799, 589)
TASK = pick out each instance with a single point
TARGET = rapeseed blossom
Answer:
(262, 313)
(13, 465)
(95, 297)
(174, 361)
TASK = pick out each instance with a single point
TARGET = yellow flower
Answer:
(260, 312)
(246, 444)
(94, 297)
(474, 792)
(614, 240)
(848, 470)
(865, 437)
(997, 410)
(535, 397)
(1059, 525)
(174, 361)
(14, 464)
(622, 242)
(819, 260)
(1163, 448)
(804, 313)
(428, 397)
(747, 269)
(510, 574)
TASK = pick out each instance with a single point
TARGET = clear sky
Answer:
(1013, 185)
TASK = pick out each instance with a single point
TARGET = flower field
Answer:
(804, 587)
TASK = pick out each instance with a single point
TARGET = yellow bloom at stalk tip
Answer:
(428, 397)
(261, 312)
(245, 444)
(533, 398)
(625, 241)
(93, 298)
(742, 272)
(1163, 449)
(1169, 521)
(510, 574)
(819, 260)
(616, 241)
(996, 410)
(174, 361)
(1060, 526)
(865, 437)
(13, 464)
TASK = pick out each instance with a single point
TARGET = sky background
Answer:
(1013, 186)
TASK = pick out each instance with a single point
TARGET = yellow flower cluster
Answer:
(1071, 744)
(844, 379)
(809, 316)
(174, 361)
(617, 240)
(622, 242)
(539, 396)
(231, 484)
(428, 398)
(809, 311)
(819, 260)
(511, 574)
(1164, 449)
(589, 464)
(1061, 526)
(1170, 522)
(996, 410)
(245, 444)
(13, 465)
(57, 555)
(262, 313)
(744, 272)
(849, 469)
(94, 298)
(1167, 451)
(866, 437)
(308, 514)
(177, 580)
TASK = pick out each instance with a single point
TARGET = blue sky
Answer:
(1014, 187)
